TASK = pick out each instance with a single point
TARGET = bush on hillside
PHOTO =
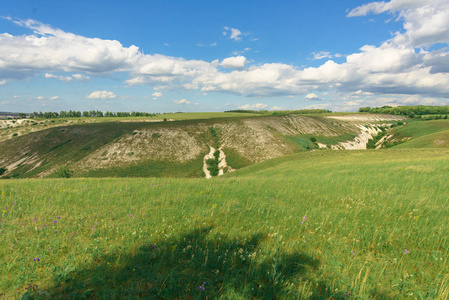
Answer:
(2, 171)
(63, 172)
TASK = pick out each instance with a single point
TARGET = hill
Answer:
(178, 148)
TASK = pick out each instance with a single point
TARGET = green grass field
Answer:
(424, 134)
(316, 225)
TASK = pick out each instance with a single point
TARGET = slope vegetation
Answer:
(316, 225)
(179, 148)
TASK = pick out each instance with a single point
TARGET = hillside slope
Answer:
(316, 225)
(179, 148)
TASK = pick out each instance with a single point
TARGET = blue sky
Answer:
(166, 56)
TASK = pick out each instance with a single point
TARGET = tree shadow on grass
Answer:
(194, 265)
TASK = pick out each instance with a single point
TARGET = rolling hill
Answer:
(177, 148)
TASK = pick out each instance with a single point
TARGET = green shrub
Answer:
(213, 164)
(63, 172)
(2, 171)
(15, 134)
(313, 139)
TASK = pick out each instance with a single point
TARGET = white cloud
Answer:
(321, 55)
(239, 52)
(234, 33)
(324, 54)
(40, 97)
(157, 95)
(257, 106)
(78, 77)
(101, 95)
(182, 101)
(54, 98)
(3, 82)
(312, 97)
(401, 65)
(236, 62)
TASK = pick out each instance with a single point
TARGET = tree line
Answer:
(409, 111)
(87, 114)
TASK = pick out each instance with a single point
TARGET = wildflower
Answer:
(36, 259)
(405, 251)
(58, 217)
(303, 219)
(353, 253)
(201, 287)
(54, 222)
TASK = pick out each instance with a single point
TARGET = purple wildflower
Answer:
(201, 287)
(405, 251)
(36, 259)
(303, 219)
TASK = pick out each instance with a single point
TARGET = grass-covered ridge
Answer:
(174, 148)
(359, 224)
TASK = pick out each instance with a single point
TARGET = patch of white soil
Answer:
(367, 117)
(210, 155)
(321, 146)
(222, 165)
(173, 144)
(360, 141)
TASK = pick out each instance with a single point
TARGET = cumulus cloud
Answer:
(404, 64)
(104, 95)
(182, 101)
(52, 49)
(236, 62)
(78, 77)
(257, 106)
(233, 33)
(324, 54)
(157, 95)
(54, 98)
(312, 97)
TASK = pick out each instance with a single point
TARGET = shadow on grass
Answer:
(195, 265)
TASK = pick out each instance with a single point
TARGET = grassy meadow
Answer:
(316, 225)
